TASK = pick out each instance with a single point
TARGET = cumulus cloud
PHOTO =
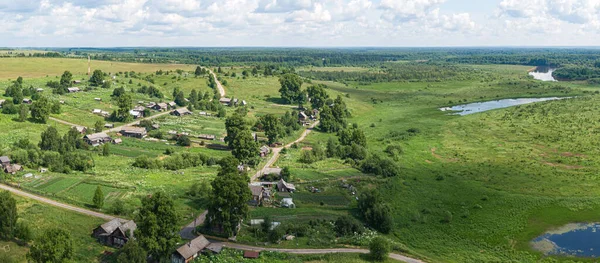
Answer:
(282, 6)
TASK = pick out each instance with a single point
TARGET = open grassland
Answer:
(506, 175)
(41, 217)
(40, 67)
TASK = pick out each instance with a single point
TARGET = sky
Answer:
(299, 23)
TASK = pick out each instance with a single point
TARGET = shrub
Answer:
(379, 249)
(347, 225)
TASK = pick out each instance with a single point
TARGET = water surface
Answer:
(543, 73)
(576, 239)
(476, 107)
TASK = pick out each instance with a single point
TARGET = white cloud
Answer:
(282, 6)
(317, 14)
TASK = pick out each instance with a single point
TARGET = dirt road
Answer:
(315, 251)
(276, 151)
(219, 85)
(64, 122)
(187, 232)
(57, 204)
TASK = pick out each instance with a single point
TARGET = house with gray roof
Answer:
(190, 250)
(130, 131)
(4, 161)
(116, 232)
(96, 139)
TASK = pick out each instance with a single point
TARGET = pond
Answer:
(576, 239)
(543, 73)
(476, 107)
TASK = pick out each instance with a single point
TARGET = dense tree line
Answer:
(59, 154)
(576, 73)
(174, 162)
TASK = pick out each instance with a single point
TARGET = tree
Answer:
(317, 95)
(98, 199)
(99, 126)
(245, 148)
(180, 99)
(97, 78)
(18, 96)
(132, 252)
(272, 127)
(184, 141)
(66, 79)
(50, 140)
(105, 149)
(23, 232)
(124, 103)
(40, 110)
(198, 71)
(107, 84)
(23, 112)
(157, 229)
(8, 215)
(230, 196)
(290, 88)
(379, 248)
(8, 107)
(233, 125)
(375, 213)
(347, 225)
(286, 174)
(54, 245)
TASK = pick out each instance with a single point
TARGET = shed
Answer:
(209, 137)
(118, 141)
(136, 114)
(98, 99)
(160, 106)
(288, 203)
(27, 101)
(251, 254)
(80, 129)
(4, 160)
(73, 89)
(225, 101)
(39, 90)
(284, 186)
(172, 104)
(109, 125)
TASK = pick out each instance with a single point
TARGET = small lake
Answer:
(543, 73)
(576, 239)
(476, 107)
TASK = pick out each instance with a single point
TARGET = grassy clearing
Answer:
(41, 67)
(41, 217)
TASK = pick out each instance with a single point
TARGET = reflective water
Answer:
(476, 107)
(576, 239)
(543, 73)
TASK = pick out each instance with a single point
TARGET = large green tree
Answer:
(23, 112)
(54, 245)
(234, 125)
(8, 215)
(97, 78)
(272, 126)
(379, 249)
(228, 205)
(245, 148)
(40, 109)
(66, 79)
(50, 140)
(157, 229)
(290, 88)
(125, 105)
(318, 96)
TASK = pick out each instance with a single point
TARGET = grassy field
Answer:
(41, 67)
(41, 217)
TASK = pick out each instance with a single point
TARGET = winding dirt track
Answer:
(57, 204)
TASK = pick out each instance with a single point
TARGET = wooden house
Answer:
(4, 161)
(181, 112)
(190, 250)
(284, 186)
(73, 89)
(96, 139)
(136, 132)
(116, 232)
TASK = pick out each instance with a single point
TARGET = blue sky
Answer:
(109, 23)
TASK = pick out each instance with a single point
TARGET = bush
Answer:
(23, 232)
(347, 225)
(379, 249)
(184, 141)
(378, 165)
